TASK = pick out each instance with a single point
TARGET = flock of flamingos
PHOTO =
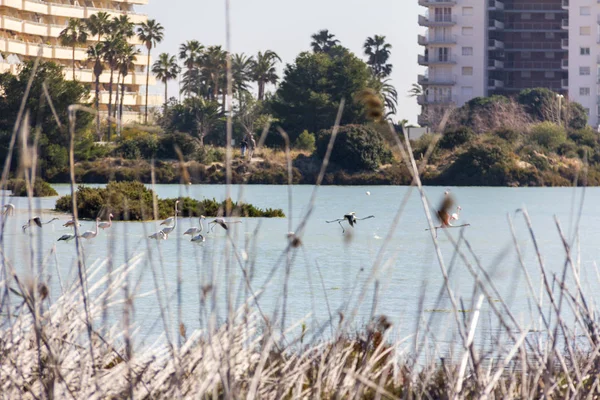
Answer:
(444, 214)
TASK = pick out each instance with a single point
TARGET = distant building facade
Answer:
(478, 48)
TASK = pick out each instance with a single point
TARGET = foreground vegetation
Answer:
(133, 201)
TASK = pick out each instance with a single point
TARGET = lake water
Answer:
(329, 273)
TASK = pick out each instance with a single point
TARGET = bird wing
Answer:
(335, 220)
(443, 212)
(223, 224)
(37, 221)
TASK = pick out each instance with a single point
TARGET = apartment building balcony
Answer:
(424, 80)
(437, 40)
(430, 3)
(565, 4)
(533, 66)
(495, 84)
(130, 99)
(70, 11)
(425, 61)
(564, 83)
(565, 23)
(495, 64)
(438, 20)
(550, 26)
(495, 5)
(564, 64)
(495, 25)
(47, 51)
(136, 78)
(533, 46)
(424, 100)
(564, 44)
(597, 99)
(494, 44)
(422, 120)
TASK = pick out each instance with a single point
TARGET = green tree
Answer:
(323, 41)
(98, 24)
(540, 103)
(166, 69)
(378, 52)
(74, 34)
(126, 60)
(415, 90)
(313, 87)
(95, 55)
(111, 49)
(263, 70)
(191, 53)
(150, 33)
(241, 70)
(213, 65)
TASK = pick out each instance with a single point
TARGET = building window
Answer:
(467, 11)
(443, 54)
(525, 16)
(584, 71)
(526, 35)
(549, 74)
(467, 31)
(525, 74)
(467, 51)
(549, 54)
(526, 55)
(584, 11)
(549, 35)
(585, 31)
(584, 91)
(584, 51)
(549, 16)
(467, 71)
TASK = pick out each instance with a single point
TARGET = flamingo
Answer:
(456, 215)
(71, 223)
(106, 225)
(67, 238)
(223, 223)
(198, 238)
(194, 230)
(9, 209)
(443, 214)
(160, 235)
(36, 221)
(351, 218)
(91, 234)
(170, 220)
(170, 229)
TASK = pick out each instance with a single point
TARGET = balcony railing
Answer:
(529, 45)
(423, 60)
(494, 44)
(495, 84)
(564, 83)
(564, 43)
(494, 5)
(429, 3)
(495, 24)
(429, 100)
(436, 80)
(495, 64)
(564, 64)
(565, 4)
(565, 23)
(437, 20)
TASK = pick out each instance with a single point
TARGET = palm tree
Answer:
(241, 69)
(323, 41)
(206, 114)
(166, 69)
(75, 33)
(151, 33)
(390, 97)
(122, 25)
(190, 53)
(126, 58)
(98, 24)
(263, 70)
(213, 66)
(415, 90)
(111, 49)
(379, 52)
(95, 54)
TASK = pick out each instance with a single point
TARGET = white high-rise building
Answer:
(32, 27)
(484, 47)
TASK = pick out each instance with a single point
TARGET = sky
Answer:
(285, 26)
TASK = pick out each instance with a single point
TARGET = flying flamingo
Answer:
(443, 214)
(351, 218)
(223, 223)
(105, 225)
(36, 221)
(170, 229)
(195, 230)
(91, 234)
(71, 223)
(9, 209)
(66, 238)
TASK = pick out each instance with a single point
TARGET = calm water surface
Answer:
(409, 265)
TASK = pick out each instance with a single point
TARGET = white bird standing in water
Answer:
(9, 209)
(160, 235)
(91, 234)
(170, 229)
(36, 221)
(223, 223)
(351, 218)
(193, 230)
(106, 225)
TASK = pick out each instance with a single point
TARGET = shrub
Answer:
(508, 134)
(209, 154)
(585, 136)
(133, 201)
(167, 143)
(548, 135)
(480, 165)
(455, 138)
(356, 148)
(18, 187)
(306, 141)
(142, 146)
